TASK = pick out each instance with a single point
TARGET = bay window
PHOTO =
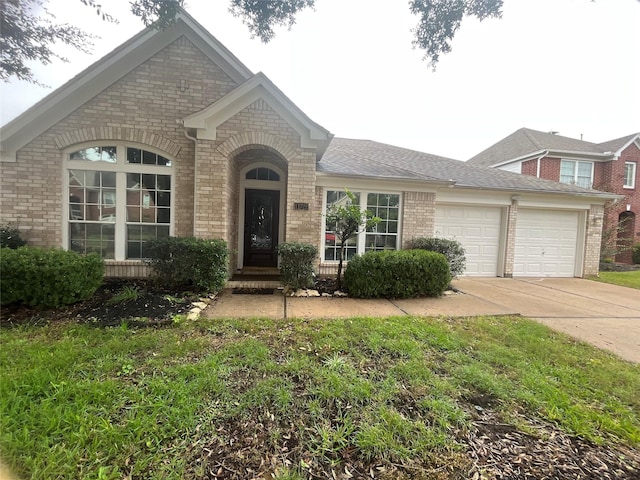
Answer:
(383, 236)
(119, 197)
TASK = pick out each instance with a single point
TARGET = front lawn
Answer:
(394, 398)
(624, 279)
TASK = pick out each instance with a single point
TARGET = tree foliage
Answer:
(347, 220)
(29, 31)
(261, 17)
(439, 20)
(26, 35)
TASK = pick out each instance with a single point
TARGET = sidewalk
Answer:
(606, 316)
(277, 306)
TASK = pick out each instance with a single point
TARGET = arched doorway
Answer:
(262, 200)
(627, 227)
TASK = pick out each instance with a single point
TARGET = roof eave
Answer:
(594, 194)
(421, 181)
(206, 121)
(103, 73)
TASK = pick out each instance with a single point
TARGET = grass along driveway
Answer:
(394, 398)
(629, 279)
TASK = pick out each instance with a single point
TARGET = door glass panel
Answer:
(260, 222)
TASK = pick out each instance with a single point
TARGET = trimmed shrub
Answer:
(636, 254)
(296, 264)
(188, 262)
(452, 249)
(397, 274)
(48, 278)
(10, 237)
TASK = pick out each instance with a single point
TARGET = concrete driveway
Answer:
(605, 315)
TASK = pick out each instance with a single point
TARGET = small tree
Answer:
(347, 220)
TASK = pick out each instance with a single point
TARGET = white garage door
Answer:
(546, 243)
(478, 230)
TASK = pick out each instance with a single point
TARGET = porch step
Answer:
(233, 284)
(261, 271)
(255, 277)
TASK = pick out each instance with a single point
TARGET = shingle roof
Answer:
(526, 141)
(372, 159)
(618, 143)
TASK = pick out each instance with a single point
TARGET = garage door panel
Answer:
(478, 230)
(546, 243)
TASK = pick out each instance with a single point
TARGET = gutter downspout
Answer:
(545, 153)
(195, 173)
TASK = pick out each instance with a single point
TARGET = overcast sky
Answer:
(571, 66)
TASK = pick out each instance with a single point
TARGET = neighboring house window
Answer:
(576, 173)
(117, 207)
(629, 175)
(383, 236)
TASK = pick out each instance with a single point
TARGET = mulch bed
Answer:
(153, 306)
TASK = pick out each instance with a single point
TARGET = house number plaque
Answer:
(301, 206)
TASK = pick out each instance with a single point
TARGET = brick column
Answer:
(302, 225)
(510, 250)
(418, 217)
(593, 240)
(211, 185)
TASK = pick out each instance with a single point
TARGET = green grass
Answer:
(302, 396)
(624, 279)
(127, 294)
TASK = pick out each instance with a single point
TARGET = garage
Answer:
(478, 229)
(546, 243)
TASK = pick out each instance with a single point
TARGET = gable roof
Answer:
(257, 87)
(365, 158)
(94, 79)
(619, 144)
(526, 143)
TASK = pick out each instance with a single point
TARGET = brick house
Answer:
(610, 166)
(170, 134)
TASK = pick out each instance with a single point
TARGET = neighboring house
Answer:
(610, 166)
(170, 134)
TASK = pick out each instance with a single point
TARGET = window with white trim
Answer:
(120, 197)
(575, 172)
(629, 175)
(383, 236)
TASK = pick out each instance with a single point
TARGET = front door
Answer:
(261, 228)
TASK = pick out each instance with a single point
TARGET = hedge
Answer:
(201, 264)
(296, 264)
(48, 278)
(397, 274)
(452, 249)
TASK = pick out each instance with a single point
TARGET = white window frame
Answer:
(362, 236)
(634, 167)
(576, 168)
(121, 168)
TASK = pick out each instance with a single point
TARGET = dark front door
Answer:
(261, 228)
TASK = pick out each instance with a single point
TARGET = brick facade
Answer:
(593, 240)
(145, 107)
(609, 177)
(419, 210)
(510, 250)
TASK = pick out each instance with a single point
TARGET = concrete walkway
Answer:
(605, 315)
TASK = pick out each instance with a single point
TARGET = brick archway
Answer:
(627, 224)
(249, 140)
(136, 135)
